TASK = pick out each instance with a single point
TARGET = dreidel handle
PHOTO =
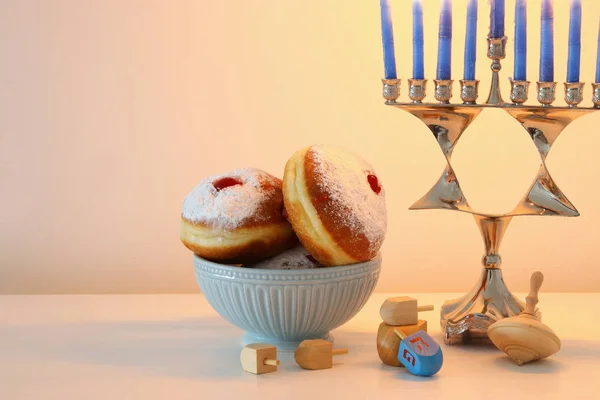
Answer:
(537, 278)
(274, 363)
(338, 352)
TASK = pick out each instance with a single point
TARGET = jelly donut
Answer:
(236, 218)
(335, 203)
(294, 258)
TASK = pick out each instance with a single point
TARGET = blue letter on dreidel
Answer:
(420, 354)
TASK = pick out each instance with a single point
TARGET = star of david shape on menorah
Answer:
(467, 318)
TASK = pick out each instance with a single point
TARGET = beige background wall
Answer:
(111, 111)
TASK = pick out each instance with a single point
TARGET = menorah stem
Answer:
(467, 318)
(496, 52)
(495, 96)
(492, 230)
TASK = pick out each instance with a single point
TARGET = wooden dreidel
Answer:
(316, 354)
(523, 337)
(419, 353)
(259, 358)
(400, 311)
(388, 343)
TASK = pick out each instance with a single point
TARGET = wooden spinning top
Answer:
(401, 311)
(523, 337)
(316, 354)
(419, 353)
(259, 358)
(388, 341)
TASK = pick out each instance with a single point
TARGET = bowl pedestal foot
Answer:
(284, 346)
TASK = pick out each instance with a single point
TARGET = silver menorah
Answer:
(467, 318)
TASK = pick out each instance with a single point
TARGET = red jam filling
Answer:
(225, 183)
(323, 198)
(374, 182)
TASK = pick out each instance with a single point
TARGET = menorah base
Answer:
(466, 319)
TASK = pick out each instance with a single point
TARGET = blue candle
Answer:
(418, 41)
(598, 58)
(497, 19)
(387, 37)
(574, 58)
(547, 42)
(520, 41)
(471, 41)
(444, 62)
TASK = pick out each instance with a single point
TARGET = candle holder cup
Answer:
(546, 93)
(574, 93)
(496, 52)
(443, 90)
(497, 49)
(519, 91)
(391, 90)
(469, 91)
(596, 94)
(467, 318)
(417, 90)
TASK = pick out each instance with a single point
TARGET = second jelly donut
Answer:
(336, 204)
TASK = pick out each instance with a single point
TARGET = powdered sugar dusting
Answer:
(344, 177)
(294, 258)
(231, 207)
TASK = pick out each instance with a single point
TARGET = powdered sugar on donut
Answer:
(343, 176)
(232, 206)
(294, 258)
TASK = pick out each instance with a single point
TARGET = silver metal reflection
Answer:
(546, 93)
(417, 90)
(519, 91)
(596, 94)
(469, 91)
(466, 319)
(496, 52)
(497, 49)
(574, 93)
(391, 90)
(443, 90)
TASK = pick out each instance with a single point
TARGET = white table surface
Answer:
(177, 347)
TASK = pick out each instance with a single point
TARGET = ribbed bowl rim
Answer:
(211, 269)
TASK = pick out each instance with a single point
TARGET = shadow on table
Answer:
(207, 348)
(546, 366)
(571, 352)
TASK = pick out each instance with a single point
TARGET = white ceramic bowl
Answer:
(284, 307)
